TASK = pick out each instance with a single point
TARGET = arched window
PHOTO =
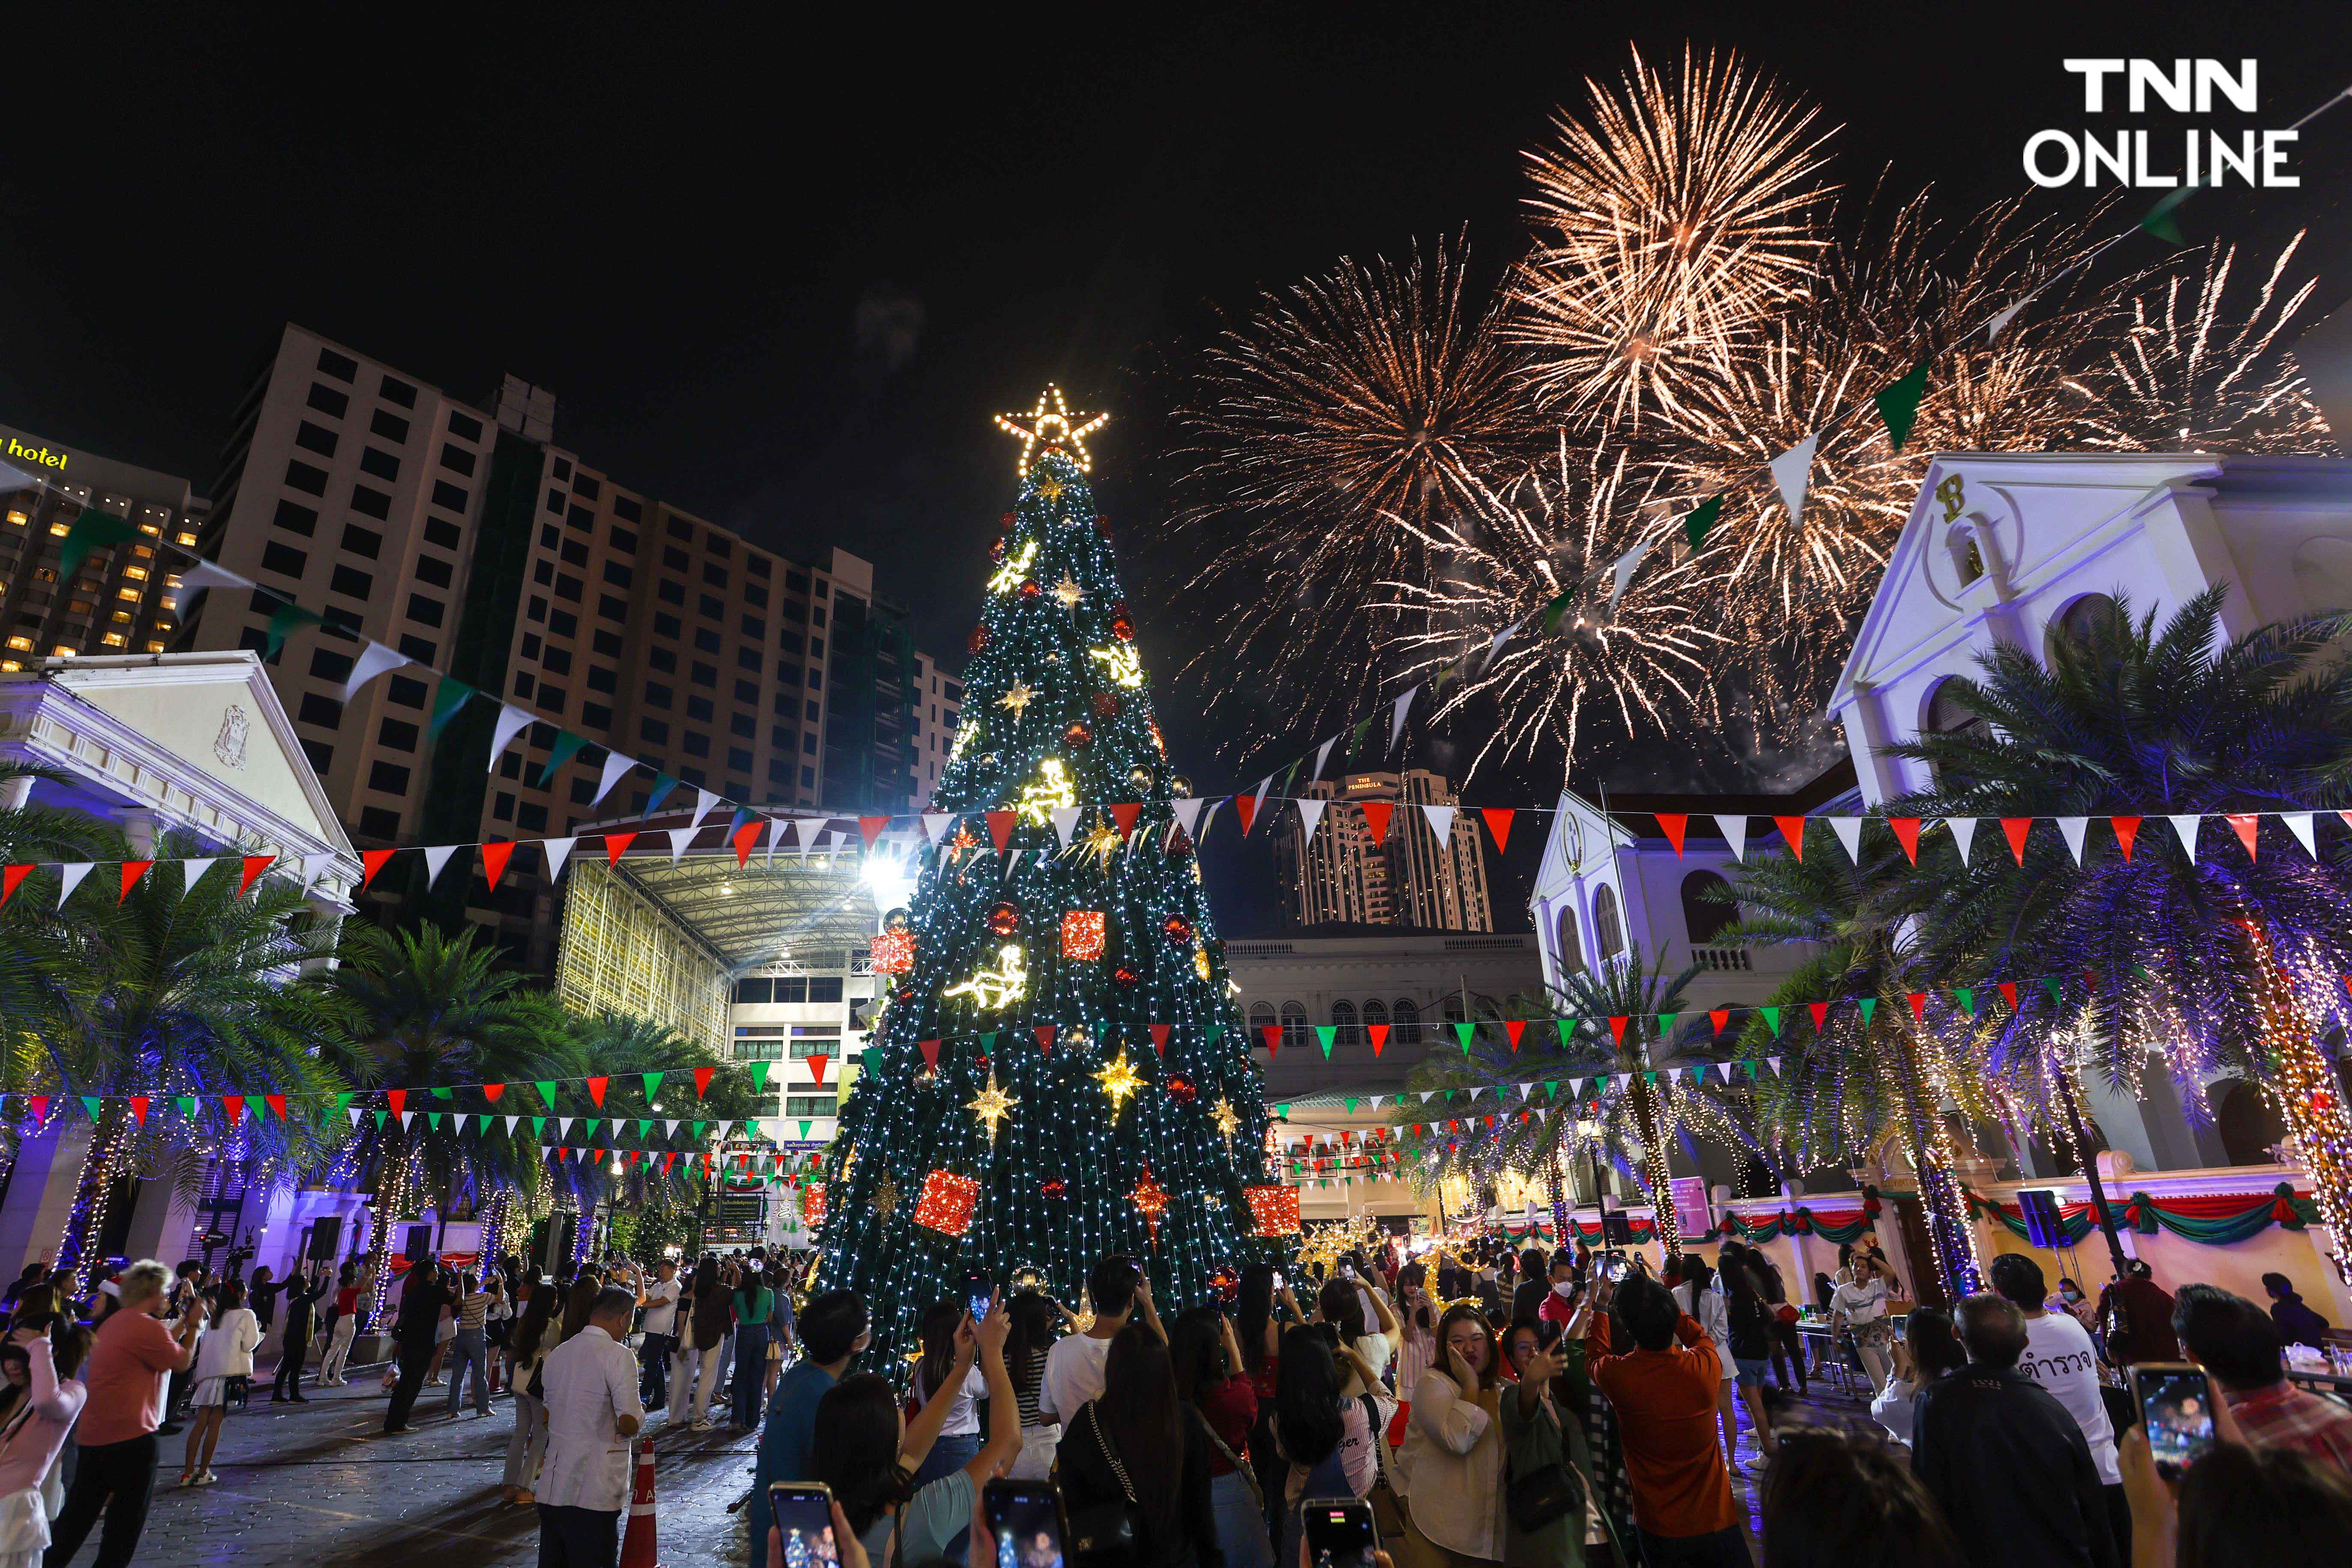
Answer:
(2249, 1123)
(1702, 914)
(1408, 1021)
(1261, 1019)
(1343, 1021)
(2083, 621)
(1968, 557)
(1294, 1025)
(1567, 947)
(1375, 1012)
(1948, 716)
(1608, 929)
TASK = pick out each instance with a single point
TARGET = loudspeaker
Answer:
(420, 1243)
(1616, 1227)
(555, 1247)
(2043, 1228)
(326, 1234)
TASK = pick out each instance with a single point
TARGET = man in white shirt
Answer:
(661, 1335)
(2059, 1356)
(593, 1411)
(1073, 1367)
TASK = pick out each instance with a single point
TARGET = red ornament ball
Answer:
(1005, 920)
(1102, 525)
(1179, 930)
(1078, 734)
(1227, 1284)
(1029, 590)
(1106, 705)
(978, 639)
(1184, 1090)
(1053, 1186)
(1125, 975)
(2322, 1101)
(996, 551)
(1006, 520)
(1120, 627)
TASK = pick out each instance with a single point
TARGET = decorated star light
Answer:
(1120, 1081)
(1015, 570)
(1051, 792)
(1051, 424)
(1227, 1121)
(1068, 592)
(1018, 696)
(1102, 843)
(964, 733)
(885, 1199)
(991, 1105)
(997, 987)
(1151, 1199)
(1121, 666)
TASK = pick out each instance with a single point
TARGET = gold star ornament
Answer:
(1120, 1081)
(1051, 424)
(1017, 698)
(991, 1105)
(1227, 1120)
(1068, 592)
(885, 1200)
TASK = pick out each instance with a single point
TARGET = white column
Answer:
(162, 1223)
(41, 1193)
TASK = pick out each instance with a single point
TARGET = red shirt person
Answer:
(1664, 1395)
(131, 1360)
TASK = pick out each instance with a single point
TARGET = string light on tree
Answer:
(1051, 424)
(1050, 794)
(997, 988)
(1122, 665)
(1016, 570)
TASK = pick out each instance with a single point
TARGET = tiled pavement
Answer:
(319, 1485)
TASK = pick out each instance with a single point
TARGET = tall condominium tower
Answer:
(1340, 875)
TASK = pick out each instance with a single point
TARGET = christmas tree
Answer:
(1058, 1071)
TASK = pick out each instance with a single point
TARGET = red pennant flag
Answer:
(930, 1049)
(817, 1061)
(1160, 1038)
(138, 1108)
(1126, 815)
(1498, 823)
(131, 872)
(1617, 1028)
(9, 879)
(2244, 822)
(1918, 1000)
(277, 1103)
(702, 1080)
(1376, 818)
(748, 835)
(1821, 1012)
(1044, 1033)
(2017, 827)
(999, 827)
(491, 1092)
(255, 865)
(495, 856)
(371, 862)
(1514, 1029)
(1792, 829)
(1718, 1017)
(1906, 834)
(1674, 825)
(617, 845)
(1273, 1036)
(396, 1099)
(2008, 993)
(596, 1090)
(870, 828)
(234, 1104)
(2126, 829)
(1380, 1032)
(1245, 807)
(40, 1104)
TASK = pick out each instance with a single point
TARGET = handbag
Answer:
(1542, 1495)
(1104, 1534)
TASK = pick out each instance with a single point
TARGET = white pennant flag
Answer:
(1396, 717)
(1426, 1094)
(703, 801)
(805, 837)
(2073, 828)
(1849, 833)
(617, 768)
(776, 825)
(513, 1122)
(192, 871)
(1258, 810)
(1214, 807)
(1626, 565)
(2186, 826)
(679, 837)
(1311, 812)
(1734, 833)
(937, 824)
(1065, 822)
(1494, 648)
(2000, 323)
(1322, 753)
(1012, 861)
(563, 1126)
(313, 867)
(669, 1129)
(206, 574)
(512, 722)
(1792, 470)
(1187, 817)
(1775, 1064)
(374, 659)
(2299, 824)
(75, 870)
(353, 1112)
(1964, 834)
(1440, 823)
(557, 850)
(437, 857)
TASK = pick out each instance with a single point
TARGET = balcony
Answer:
(1724, 959)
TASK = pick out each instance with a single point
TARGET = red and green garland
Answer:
(2219, 1221)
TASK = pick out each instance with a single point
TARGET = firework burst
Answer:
(1560, 528)
(1372, 394)
(1667, 227)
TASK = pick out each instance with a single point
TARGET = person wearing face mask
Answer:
(1558, 1305)
(2077, 1306)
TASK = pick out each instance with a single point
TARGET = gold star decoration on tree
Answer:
(1103, 843)
(1052, 425)
(884, 1200)
(1051, 489)
(1070, 592)
(991, 1105)
(1118, 1080)
(1227, 1120)
(1017, 698)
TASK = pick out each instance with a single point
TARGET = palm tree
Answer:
(1865, 1070)
(1624, 1023)
(631, 1049)
(2228, 956)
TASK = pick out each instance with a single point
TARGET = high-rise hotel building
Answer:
(466, 537)
(119, 601)
(1340, 876)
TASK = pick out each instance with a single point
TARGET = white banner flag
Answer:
(374, 659)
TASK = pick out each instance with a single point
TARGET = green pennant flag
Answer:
(2160, 220)
(1701, 518)
(1650, 1078)
(1356, 742)
(187, 1104)
(988, 1042)
(1666, 1024)
(1899, 405)
(804, 1126)
(1283, 1111)
(697, 1130)
(93, 529)
(1462, 1033)
(1216, 1032)
(1324, 1035)
(433, 1119)
(2050, 983)
(546, 1087)
(645, 1126)
(283, 620)
(1351, 1102)
(90, 1103)
(1867, 1004)
(343, 1101)
(759, 1077)
(539, 1129)
(380, 1114)
(1552, 1088)
(1557, 609)
(567, 746)
(445, 1094)
(447, 698)
(1564, 1028)
(653, 1085)
(663, 785)
(1966, 996)
(1772, 1017)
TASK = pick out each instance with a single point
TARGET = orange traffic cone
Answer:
(637, 1549)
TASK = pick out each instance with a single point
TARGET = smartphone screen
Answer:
(979, 1291)
(2176, 1404)
(1026, 1517)
(1339, 1533)
(803, 1513)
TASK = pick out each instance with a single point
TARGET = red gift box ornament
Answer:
(1274, 1210)
(813, 1203)
(894, 953)
(1082, 933)
(947, 1203)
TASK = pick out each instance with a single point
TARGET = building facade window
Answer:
(1343, 1019)
(1608, 926)
(1706, 907)
(1568, 947)
(1294, 1025)
(1408, 1021)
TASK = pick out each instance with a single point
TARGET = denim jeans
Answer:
(468, 1349)
(751, 1372)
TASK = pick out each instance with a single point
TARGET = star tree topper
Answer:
(1050, 425)
(991, 1105)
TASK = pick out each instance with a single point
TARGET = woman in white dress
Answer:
(225, 1352)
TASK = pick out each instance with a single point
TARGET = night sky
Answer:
(780, 274)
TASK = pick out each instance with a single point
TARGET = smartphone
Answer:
(1025, 1518)
(980, 1292)
(2176, 1401)
(1279, 1286)
(804, 1514)
(1339, 1533)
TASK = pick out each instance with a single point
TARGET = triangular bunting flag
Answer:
(1376, 819)
(2299, 824)
(617, 768)
(679, 838)
(1310, 813)
(1792, 470)
(1899, 405)
(74, 871)
(1674, 825)
(1792, 833)
(131, 872)
(1160, 1038)
(436, 857)
(1964, 834)
(1771, 1019)
(704, 800)
(2015, 828)
(1849, 835)
(2244, 824)
(1396, 717)
(1380, 1036)
(1700, 519)
(557, 851)
(495, 856)
(512, 722)
(2184, 826)
(1719, 1017)
(999, 827)
(1734, 833)
(1440, 823)
(447, 698)
(617, 845)
(1498, 823)
(2071, 830)
(1324, 1035)
(567, 746)
(1906, 834)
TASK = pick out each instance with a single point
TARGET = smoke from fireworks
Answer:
(1666, 229)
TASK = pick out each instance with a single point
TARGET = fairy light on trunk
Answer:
(92, 1198)
(2319, 1132)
